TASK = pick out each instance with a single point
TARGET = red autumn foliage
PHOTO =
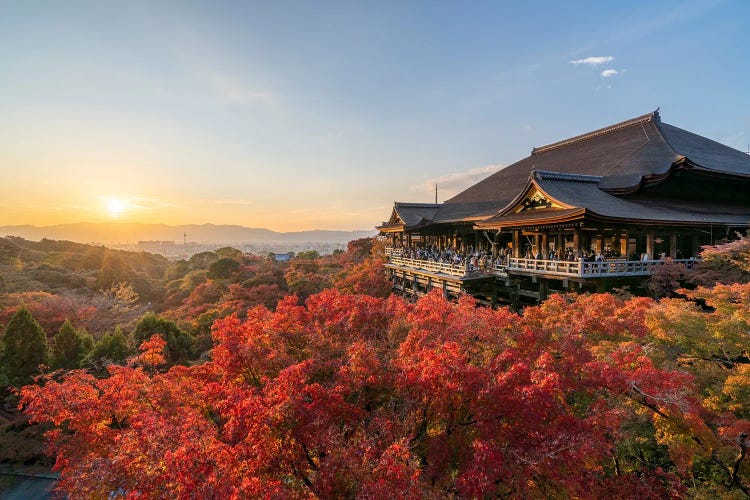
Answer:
(354, 395)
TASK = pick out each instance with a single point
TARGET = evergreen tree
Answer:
(70, 347)
(24, 348)
(112, 348)
(179, 343)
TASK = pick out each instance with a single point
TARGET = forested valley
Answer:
(235, 376)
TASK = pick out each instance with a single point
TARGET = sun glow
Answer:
(115, 206)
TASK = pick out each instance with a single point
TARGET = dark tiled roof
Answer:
(626, 152)
(583, 191)
(621, 155)
(710, 155)
(414, 213)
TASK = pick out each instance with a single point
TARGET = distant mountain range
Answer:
(126, 233)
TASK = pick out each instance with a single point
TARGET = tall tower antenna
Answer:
(435, 194)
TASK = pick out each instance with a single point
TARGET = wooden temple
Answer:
(594, 211)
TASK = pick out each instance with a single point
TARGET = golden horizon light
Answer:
(115, 207)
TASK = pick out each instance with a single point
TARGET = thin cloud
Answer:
(239, 202)
(455, 182)
(232, 91)
(609, 72)
(593, 60)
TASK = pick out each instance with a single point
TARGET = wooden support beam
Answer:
(650, 244)
(545, 245)
(673, 245)
(516, 244)
(543, 289)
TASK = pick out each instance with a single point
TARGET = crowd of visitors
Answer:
(472, 260)
(480, 260)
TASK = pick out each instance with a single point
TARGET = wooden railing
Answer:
(583, 269)
(577, 268)
(427, 265)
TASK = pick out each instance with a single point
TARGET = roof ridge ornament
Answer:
(564, 176)
(653, 116)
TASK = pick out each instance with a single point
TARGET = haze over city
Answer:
(318, 115)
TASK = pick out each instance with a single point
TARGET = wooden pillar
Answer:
(408, 240)
(577, 242)
(673, 245)
(624, 240)
(559, 244)
(516, 244)
(545, 245)
(537, 248)
(600, 244)
(694, 246)
(650, 244)
(402, 238)
(543, 289)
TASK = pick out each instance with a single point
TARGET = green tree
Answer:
(112, 348)
(71, 347)
(24, 348)
(203, 259)
(223, 268)
(114, 270)
(229, 253)
(179, 343)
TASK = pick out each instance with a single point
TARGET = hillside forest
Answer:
(235, 376)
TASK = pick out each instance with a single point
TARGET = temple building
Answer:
(590, 212)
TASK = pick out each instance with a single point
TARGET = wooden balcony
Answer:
(429, 266)
(564, 269)
(582, 269)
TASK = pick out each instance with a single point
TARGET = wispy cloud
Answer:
(593, 60)
(609, 72)
(233, 91)
(139, 202)
(238, 202)
(455, 182)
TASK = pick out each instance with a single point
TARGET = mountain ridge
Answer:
(208, 233)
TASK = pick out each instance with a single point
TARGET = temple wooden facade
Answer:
(586, 212)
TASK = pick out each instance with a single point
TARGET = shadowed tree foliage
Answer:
(223, 268)
(24, 348)
(179, 343)
(70, 347)
(726, 263)
(113, 347)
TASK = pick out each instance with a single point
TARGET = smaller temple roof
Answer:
(582, 196)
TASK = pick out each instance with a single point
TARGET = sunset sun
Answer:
(115, 207)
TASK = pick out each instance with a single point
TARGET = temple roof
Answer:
(585, 199)
(623, 154)
(618, 159)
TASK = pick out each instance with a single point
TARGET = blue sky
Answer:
(300, 115)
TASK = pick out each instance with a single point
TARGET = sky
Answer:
(318, 115)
